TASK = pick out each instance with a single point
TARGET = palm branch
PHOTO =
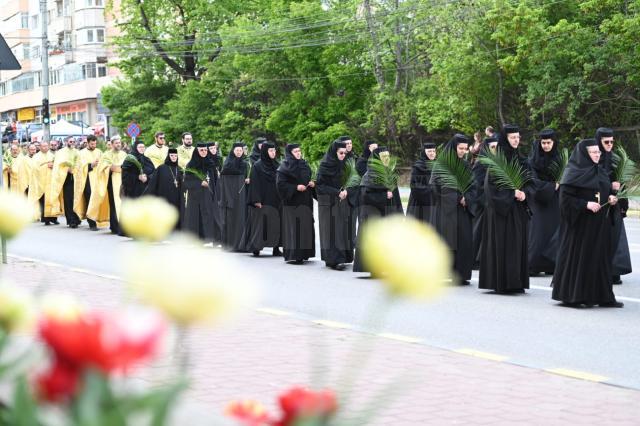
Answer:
(249, 167)
(350, 176)
(624, 168)
(452, 172)
(73, 161)
(314, 166)
(197, 173)
(133, 160)
(384, 175)
(7, 158)
(558, 166)
(506, 174)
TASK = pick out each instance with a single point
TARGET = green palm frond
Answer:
(350, 176)
(506, 174)
(558, 166)
(249, 167)
(382, 175)
(133, 160)
(197, 173)
(7, 158)
(452, 172)
(624, 168)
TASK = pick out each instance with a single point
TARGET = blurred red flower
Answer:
(59, 383)
(300, 404)
(248, 413)
(107, 341)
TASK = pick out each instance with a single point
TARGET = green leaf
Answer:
(382, 175)
(197, 173)
(452, 172)
(25, 410)
(133, 160)
(624, 168)
(505, 174)
(557, 167)
(350, 176)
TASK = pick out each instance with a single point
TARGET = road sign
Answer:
(133, 130)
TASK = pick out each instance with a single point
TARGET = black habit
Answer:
(232, 200)
(420, 198)
(197, 204)
(167, 182)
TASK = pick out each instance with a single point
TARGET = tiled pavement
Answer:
(268, 351)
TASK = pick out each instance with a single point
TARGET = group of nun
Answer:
(572, 229)
(247, 203)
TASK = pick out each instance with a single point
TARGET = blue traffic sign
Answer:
(133, 130)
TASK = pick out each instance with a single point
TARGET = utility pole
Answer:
(45, 73)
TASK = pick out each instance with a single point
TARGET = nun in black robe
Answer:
(167, 180)
(134, 181)
(255, 152)
(197, 204)
(263, 221)
(621, 258)
(361, 162)
(297, 191)
(545, 207)
(504, 265)
(420, 198)
(583, 269)
(214, 175)
(353, 193)
(477, 207)
(336, 247)
(232, 192)
(375, 201)
(452, 217)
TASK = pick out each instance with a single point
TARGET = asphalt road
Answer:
(530, 329)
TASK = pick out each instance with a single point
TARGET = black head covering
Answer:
(423, 155)
(255, 152)
(294, 168)
(540, 160)
(456, 140)
(234, 165)
(503, 142)
(330, 165)
(197, 162)
(267, 164)
(420, 164)
(168, 161)
(134, 150)
(147, 164)
(484, 147)
(606, 158)
(581, 171)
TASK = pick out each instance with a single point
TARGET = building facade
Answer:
(79, 60)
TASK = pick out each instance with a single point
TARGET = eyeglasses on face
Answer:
(607, 142)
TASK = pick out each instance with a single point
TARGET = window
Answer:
(24, 20)
(3, 88)
(100, 36)
(22, 83)
(35, 21)
(94, 3)
(27, 51)
(102, 71)
(89, 36)
(55, 76)
(59, 9)
(88, 71)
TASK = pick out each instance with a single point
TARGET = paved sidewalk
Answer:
(266, 352)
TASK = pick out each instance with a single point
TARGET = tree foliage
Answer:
(396, 71)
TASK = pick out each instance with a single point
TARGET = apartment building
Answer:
(79, 59)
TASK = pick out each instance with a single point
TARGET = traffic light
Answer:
(46, 117)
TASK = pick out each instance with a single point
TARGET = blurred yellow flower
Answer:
(17, 309)
(410, 257)
(15, 213)
(188, 283)
(60, 306)
(148, 218)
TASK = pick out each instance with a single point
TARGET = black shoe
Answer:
(617, 281)
(571, 305)
(93, 228)
(298, 262)
(55, 222)
(534, 273)
(277, 252)
(338, 267)
(47, 224)
(613, 304)
(74, 226)
(256, 253)
(465, 282)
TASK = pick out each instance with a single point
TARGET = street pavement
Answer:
(528, 330)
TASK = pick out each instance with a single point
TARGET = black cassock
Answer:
(454, 224)
(232, 194)
(166, 183)
(334, 215)
(197, 207)
(298, 231)
(263, 224)
(214, 177)
(621, 264)
(503, 252)
(132, 186)
(477, 208)
(583, 268)
(374, 203)
(420, 199)
(67, 195)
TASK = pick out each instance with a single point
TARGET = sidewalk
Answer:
(268, 351)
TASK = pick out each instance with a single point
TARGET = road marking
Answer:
(400, 337)
(332, 324)
(577, 374)
(483, 355)
(272, 311)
